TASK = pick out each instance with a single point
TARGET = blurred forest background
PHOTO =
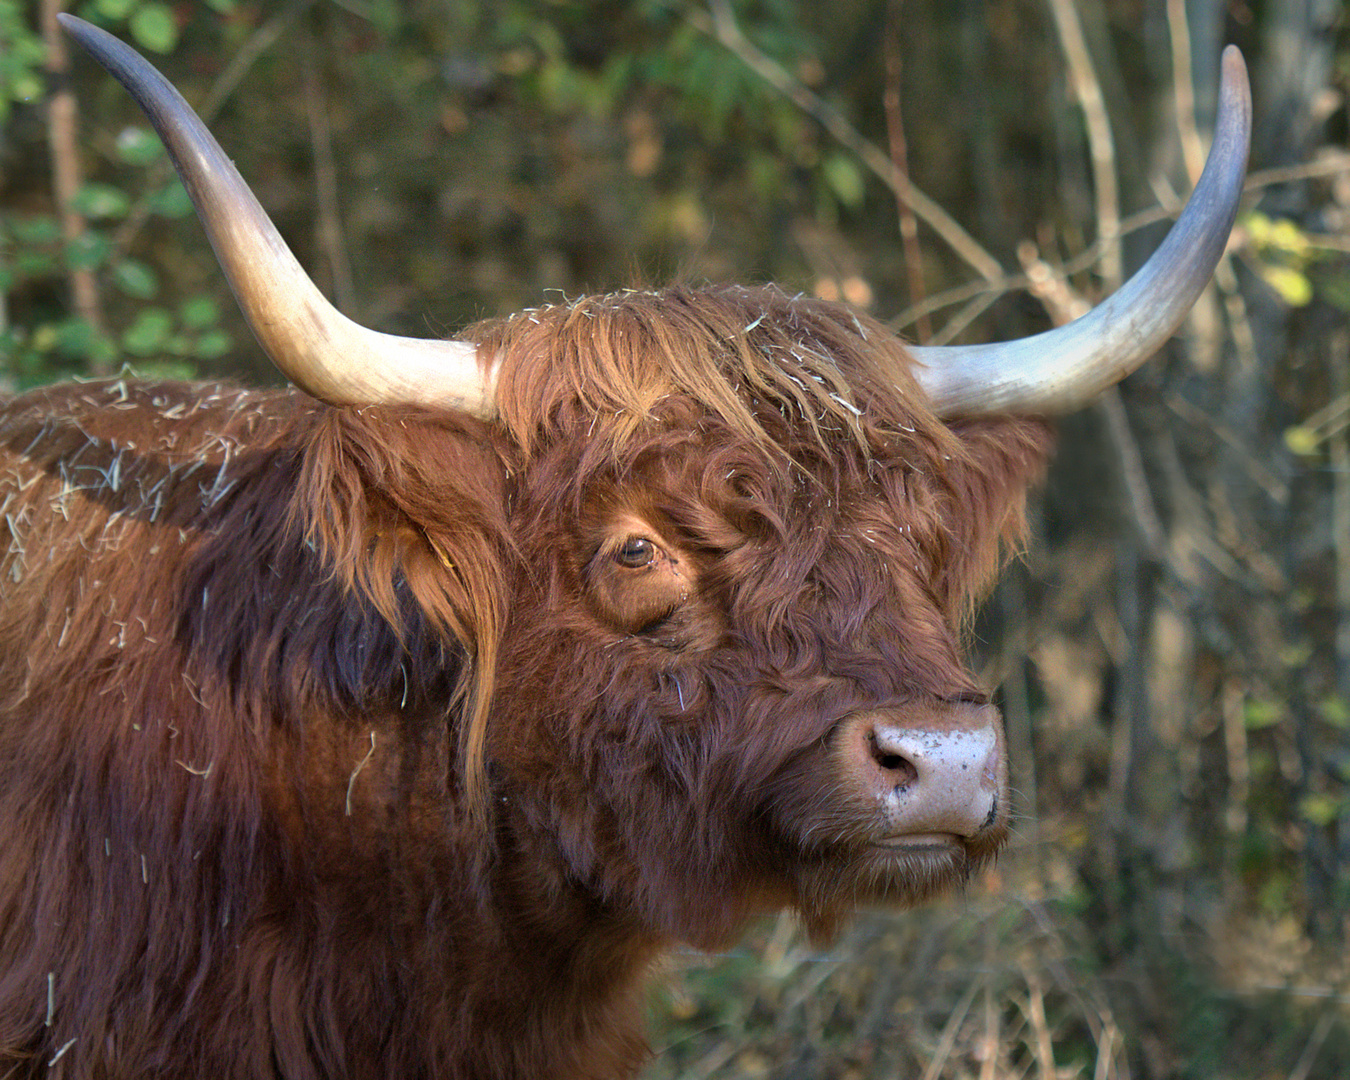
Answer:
(1174, 653)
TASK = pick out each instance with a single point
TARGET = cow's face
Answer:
(732, 677)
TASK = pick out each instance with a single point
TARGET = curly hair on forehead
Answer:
(726, 349)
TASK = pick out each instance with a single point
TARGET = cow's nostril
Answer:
(899, 769)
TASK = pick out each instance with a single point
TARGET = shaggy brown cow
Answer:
(393, 727)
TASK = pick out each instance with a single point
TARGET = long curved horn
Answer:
(310, 341)
(1063, 369)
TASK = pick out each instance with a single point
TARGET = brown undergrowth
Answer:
(1007, 981)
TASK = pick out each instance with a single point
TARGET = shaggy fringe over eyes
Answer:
(727, 349)
(400, 498)
(600, 367)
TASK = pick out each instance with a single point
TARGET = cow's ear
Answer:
(408, 504)
(987, 498)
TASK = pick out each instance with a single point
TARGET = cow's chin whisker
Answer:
(887, 875)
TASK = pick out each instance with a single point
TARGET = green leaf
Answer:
(10, 343)
(199, 312)
(213, 344)
(1336, 290)
(766, 173)
(1296, 654)
(1275, 892)
(135, 279)
(148, 333)
(1335, 711)
(44, 338)
(138, 145)
(101, 201)
(25, 87)
(88, 251)
(33, 264)
(1293, 285)
(154, 27)
(75, 339)
(171, 201)
(223, 7)
(115, 10)
(38, 229)
(1319, 809)
(1301, 440)
(1258, 227)
(1258, 714)
(1261, 764)
(104, 351)
(167, 369)
(1288, 237)
(844, 178)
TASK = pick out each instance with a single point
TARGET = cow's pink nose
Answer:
(942, 776)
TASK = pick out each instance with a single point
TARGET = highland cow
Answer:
(394, 725)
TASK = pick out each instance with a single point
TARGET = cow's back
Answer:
(130, 818)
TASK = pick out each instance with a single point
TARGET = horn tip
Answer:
(1233, 80)
(74, 25)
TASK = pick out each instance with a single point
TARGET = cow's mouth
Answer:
(892, 872)
(918, 842)
(915, 866)
(918, 862)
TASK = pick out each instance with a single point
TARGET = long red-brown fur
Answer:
(316, 758)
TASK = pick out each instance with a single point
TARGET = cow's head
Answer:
(731, 677)
(744, 531)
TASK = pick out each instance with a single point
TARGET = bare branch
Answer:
(262, 39)
(1093, 254)
(1275, 488)
(722, 26)
(329, 225)
(1329, 164)
(63, 141)
(1303, 1067)
(967, 315)
(1101, 143)
(947, 1041)
(895, 130)
(1041, 1041)
(1136, 479)
(1183, 89)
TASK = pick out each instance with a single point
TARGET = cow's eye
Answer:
(635, 552)
(637, 577)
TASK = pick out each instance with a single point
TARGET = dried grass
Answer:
(1004, 983)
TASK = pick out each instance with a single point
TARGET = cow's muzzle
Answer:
(936, 773)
